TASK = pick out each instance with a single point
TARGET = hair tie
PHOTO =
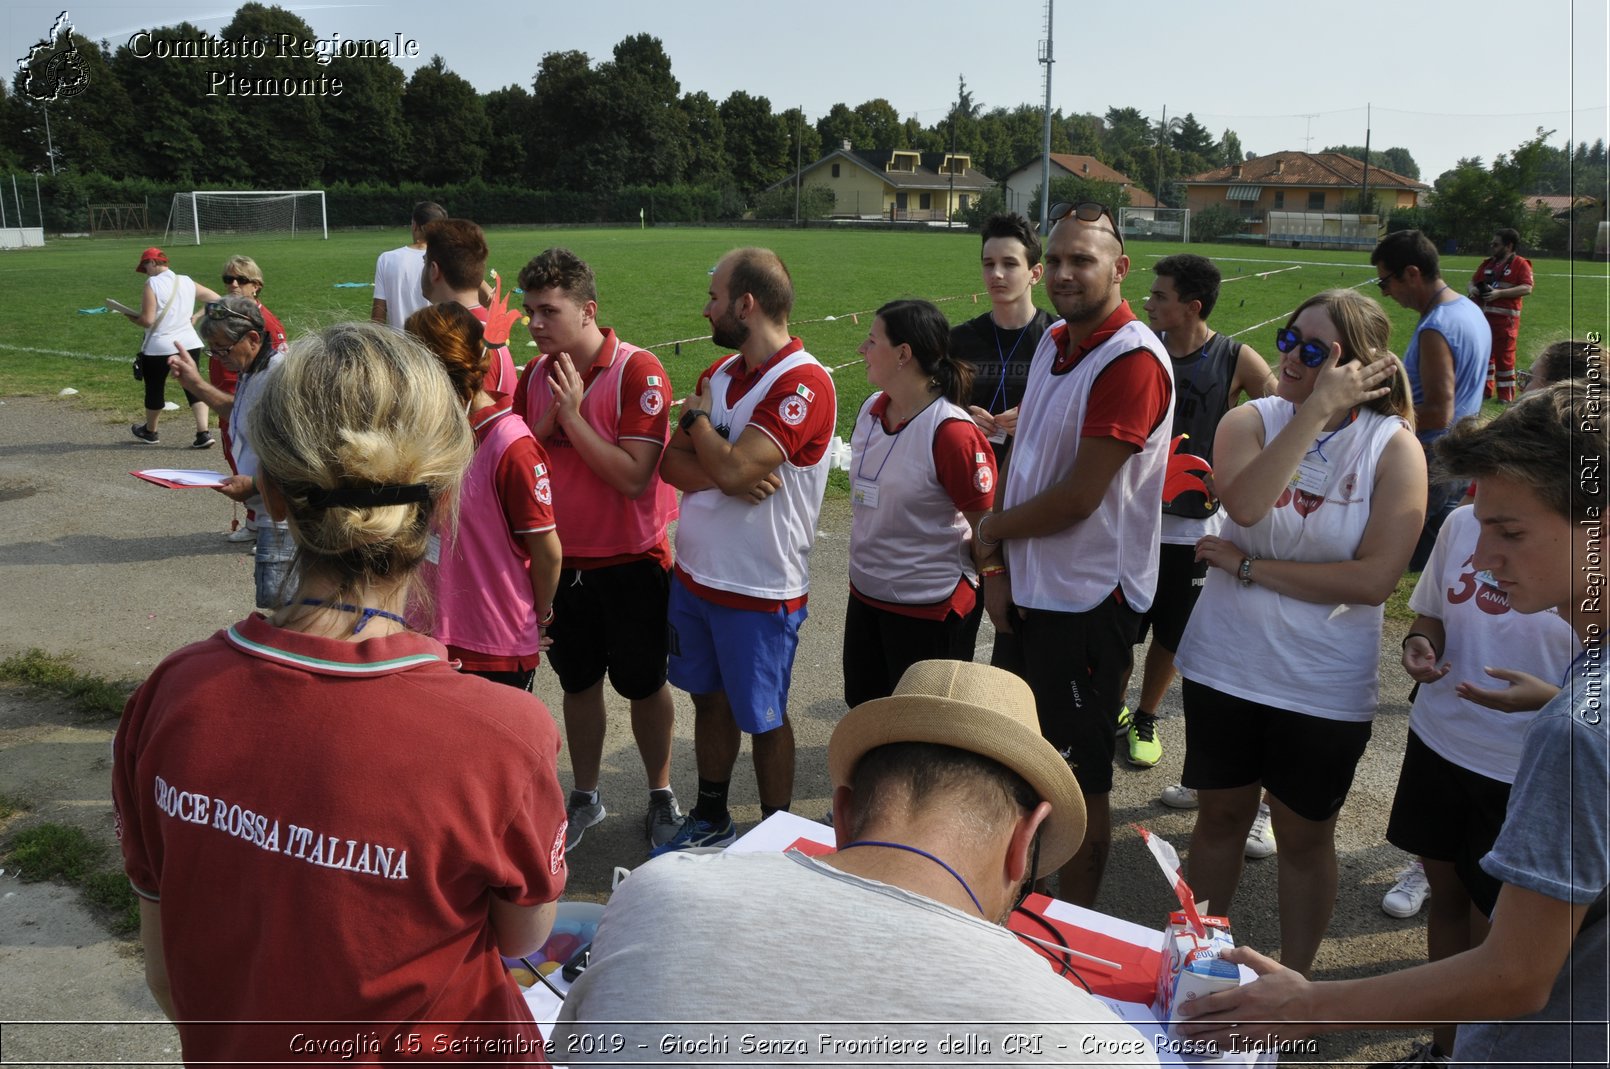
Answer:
(357, 497)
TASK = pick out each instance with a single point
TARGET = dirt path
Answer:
(119, 573)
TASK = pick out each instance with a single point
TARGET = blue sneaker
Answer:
(695, 834)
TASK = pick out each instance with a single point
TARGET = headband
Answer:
(357, 497)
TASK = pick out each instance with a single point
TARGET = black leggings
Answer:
(154, 373)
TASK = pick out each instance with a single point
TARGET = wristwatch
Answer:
(1244, 573)
(690, 417)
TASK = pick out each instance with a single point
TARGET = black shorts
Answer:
(1444, 812)
(1075, 663)
(154, 377)
(613, 620)
(1305, 761)
(879, 645)
(1179, 583)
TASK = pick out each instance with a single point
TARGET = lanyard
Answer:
(1319, 446)
(1000, 387)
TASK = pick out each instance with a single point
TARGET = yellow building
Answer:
(895, 184)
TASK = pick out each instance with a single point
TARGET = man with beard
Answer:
(1078, 524)
(750, 457)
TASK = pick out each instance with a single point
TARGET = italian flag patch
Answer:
(805, 392)
(654, 380)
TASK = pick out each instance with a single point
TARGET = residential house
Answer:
(895, 184)
(1292, 197)
(1022, 183)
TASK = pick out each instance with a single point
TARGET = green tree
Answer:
(708, 162)
(278, 141)
(89, 130)
(509, 114)
(798, 127)
(883, 125)
(1072, 189)
(841, 124)
(1084, 134)
(1127, 144)
(450, 132)
(1470, 204)
(366, 139)
(1229, 150)
(568, 95)
(756, 142)
(174, 110)
(644, 133)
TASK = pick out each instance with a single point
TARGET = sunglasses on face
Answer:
(1381, 282)
(239, 280)
(1312, 352)
(1086, 212)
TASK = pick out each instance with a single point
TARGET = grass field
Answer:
(652, 288)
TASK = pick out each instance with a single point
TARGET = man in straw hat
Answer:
(947, 803)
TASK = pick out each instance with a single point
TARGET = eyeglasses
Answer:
(1086, 212)
(1313, 352)
(218, 310)
(1380, 283)
(218, 352)
(239, 280)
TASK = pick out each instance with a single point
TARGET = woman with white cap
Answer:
(166, 307)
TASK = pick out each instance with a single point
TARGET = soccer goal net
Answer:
(1155, 224)
(201, 216)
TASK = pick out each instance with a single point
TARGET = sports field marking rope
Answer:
(1261, 274)
(1281, 318)
(853, 317)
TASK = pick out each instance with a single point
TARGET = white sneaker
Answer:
(1409, 893)
(1178, 796)
(242, 533)
(1261, 836)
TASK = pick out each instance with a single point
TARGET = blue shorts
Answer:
(748, 655)
(273, 565)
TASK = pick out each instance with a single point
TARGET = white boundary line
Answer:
(63, 352)
(1278, 318)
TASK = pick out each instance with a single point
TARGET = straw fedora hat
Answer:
(978, 708)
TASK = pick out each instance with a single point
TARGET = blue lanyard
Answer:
(368, 613)
(1319, 446)
(894, 440)
(920, 853)
(1000, 387)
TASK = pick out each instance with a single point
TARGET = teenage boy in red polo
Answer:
(601, 409)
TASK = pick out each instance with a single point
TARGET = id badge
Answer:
(865, 494)
(998, 438)
(1311, 476)
(433, 549)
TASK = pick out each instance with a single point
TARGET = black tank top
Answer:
(1201, 398)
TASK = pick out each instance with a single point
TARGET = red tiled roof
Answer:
(1305, 169)
(1093, 169)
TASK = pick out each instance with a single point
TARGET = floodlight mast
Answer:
(1045, 136)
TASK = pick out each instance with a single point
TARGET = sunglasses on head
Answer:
(240, 280)
(219, 310)
(1313, 352)
(1086, 212)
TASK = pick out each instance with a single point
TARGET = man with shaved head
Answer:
(1078, 522)
(750, 457)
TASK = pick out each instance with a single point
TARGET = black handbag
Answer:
(139, 372)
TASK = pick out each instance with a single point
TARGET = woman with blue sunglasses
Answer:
(1323, 486)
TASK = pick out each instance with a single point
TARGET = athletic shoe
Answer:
(1261, 837)
(583, 813)
(1420, 1054)
(148, 437)
(695, 834)
(204, 440)
(1144, 749)
(243, 533)
(1121, 728)
(663, 819)
(1409, 893)
(1178, 796)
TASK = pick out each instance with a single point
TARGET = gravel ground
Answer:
(118, 573)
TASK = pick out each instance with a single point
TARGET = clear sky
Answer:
(1473, 78)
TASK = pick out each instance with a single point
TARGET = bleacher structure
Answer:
(1322, 230)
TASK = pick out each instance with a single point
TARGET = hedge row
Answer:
(67, 199)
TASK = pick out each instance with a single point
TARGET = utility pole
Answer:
(1364, 191)
(950, 197)
(799, 149)
(1045, 137)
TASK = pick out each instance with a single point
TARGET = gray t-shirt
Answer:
(1556, 841)
(743, 959)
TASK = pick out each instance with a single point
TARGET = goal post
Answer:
(1155, 224)
(198, 215)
